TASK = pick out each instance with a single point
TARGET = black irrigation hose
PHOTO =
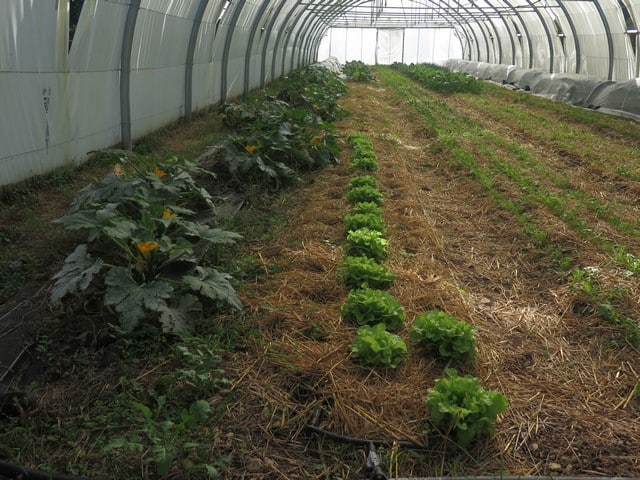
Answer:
(17, 472)
(313, 426)
(414, 446)
(363, 441)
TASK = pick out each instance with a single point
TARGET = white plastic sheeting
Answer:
(35, 127)
(60, 103)
(587, 37)
(617, 98)
(385, 46)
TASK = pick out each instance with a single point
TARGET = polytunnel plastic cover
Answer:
(134, 66)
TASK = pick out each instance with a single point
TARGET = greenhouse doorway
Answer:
(389, 46)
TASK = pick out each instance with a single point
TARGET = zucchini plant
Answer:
(316, 89)
(278, 138)
(143, 251)
(274, 142)
(358, 71)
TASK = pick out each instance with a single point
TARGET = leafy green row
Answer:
(566, 203)
(460, 408)
(376, 311)
(358, 71)
(145, 254)
(440, 79)
(364, 158)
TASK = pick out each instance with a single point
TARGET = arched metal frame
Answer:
(265, 48)
(607, 29)
(188, 74)
(224, 71)
(125, 74)
(574, 34)
(255, 27)
(477, 22)
(281, 23)
(283, 34)
(331, 13)
(523, 25)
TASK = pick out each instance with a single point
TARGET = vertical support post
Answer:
(607, 29)
(125, 74)
(191, 48)
(255, 27)
(239, 4)
(574, 33)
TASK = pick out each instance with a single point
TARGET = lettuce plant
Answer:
(143, 252)
(366, 242)
(368, 306)
(461, 409)
(358, 271)
(366, 163)
(367, 207)
(444, 334)
(361, 144)
(365, 193)
(356, 221)
(375, 347)
(361, 181)
(364, 157)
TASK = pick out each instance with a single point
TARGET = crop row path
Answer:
(493, 202)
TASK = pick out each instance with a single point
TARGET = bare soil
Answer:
(572, 409)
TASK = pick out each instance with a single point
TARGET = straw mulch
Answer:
(571, 409)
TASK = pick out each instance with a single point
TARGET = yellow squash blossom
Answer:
(118, 170)
(168, 214)
(250, 149)
(147, 247)
(159, 173)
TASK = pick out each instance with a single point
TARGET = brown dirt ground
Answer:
(571, 409)
(570, 406)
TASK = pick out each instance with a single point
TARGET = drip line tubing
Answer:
(313, 427)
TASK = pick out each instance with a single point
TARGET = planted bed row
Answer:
(378, 314)
(148, 248)
(518, 181)
(148, 266)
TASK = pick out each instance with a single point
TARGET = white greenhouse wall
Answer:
(65, 102)
(385, 46)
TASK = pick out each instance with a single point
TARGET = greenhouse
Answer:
(329, 239)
